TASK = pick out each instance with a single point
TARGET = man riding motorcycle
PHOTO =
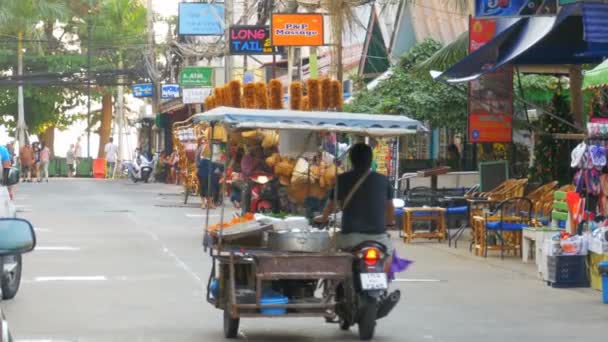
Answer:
(366, 201)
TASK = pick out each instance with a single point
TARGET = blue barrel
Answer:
(603, 268)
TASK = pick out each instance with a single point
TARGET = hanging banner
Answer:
(201, 19)
(515, 8)
(195, 95)
(490, 96)
(250, 40)
(297, 29)
(169, 91)
(196, 77)
(143, 90)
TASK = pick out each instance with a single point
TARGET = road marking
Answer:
(41, 229)
(417, 280)
(71, 278)
(200, 215)
(56, 248)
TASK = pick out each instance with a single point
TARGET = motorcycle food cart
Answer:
(257, 270)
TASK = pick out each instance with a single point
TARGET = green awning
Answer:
(596, 78)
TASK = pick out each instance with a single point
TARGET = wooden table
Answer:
(538, 236)
(423, 214)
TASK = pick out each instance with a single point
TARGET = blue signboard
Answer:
(143, 90)
(201, 19)
(514, 8)
(169, 91)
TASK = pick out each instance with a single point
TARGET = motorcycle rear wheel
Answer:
(368, 308)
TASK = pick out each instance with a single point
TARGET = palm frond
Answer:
(446, 56)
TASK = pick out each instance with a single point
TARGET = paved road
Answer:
(121, 262)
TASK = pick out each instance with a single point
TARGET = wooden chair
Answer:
(507, 223)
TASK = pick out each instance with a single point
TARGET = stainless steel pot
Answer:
(299, 241)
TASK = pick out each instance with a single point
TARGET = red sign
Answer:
(490, 96)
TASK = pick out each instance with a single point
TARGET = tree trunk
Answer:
(48, 137)
(576, 93)
(106, 123)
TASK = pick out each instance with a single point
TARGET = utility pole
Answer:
(152, 57)
(89, 38)
(229, 8)
(21, 126)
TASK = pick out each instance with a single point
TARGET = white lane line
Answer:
(417, 280)
(71, 278)
(56, 248)
(200, 215)
(41, 229)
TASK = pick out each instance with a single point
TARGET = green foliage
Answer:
(118, 34)
(552, 156)
(416, 95)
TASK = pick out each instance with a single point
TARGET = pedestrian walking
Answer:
(45, 158)
(26, 161)
(77, 154)
(70, 160)
(6, 164)
(11, 151)
(36, 148)
(111, 151)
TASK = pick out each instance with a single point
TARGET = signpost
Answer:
(250, 40)
(201, 19)
(297, 29)
(196, 77)
(195, 95)
(143, 90)
(490, 96)
(169, 91)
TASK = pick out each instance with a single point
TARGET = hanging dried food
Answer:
(261, 96)
(249, 96)
(235, 93)
(337, 98)
(276, 94)
(304, 105)
(314, 94)
(325, 94)
(295, 95)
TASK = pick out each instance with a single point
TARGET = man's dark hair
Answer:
(111, 139)
(361, 156)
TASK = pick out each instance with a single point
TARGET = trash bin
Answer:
(603, 268)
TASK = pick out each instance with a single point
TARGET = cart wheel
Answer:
(344, 324)
(231, 325)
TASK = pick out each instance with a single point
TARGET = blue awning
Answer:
(529, 41)
(361, 124)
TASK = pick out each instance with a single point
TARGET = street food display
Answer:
(271, 264)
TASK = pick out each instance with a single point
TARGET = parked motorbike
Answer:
(141, 169)
(366, 299)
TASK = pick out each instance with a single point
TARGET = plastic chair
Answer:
(511, 216)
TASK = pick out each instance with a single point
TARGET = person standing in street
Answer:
(77, 154)
(36, 148)
(70, 160)
(111, 152)
(45, 158)
(26, 160)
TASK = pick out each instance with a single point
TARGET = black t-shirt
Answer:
(367, 208)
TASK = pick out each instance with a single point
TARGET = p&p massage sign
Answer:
(297, 29)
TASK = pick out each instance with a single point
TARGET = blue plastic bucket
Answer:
(273, 299)
(603, 269)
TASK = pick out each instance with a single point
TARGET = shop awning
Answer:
(548, 40)
(596, 78)
(360, 124)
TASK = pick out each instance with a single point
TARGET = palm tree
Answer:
(18, 19)
(119, 33)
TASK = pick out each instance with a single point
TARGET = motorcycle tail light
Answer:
(371, 256)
